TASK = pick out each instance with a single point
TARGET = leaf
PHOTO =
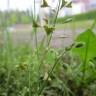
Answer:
(89, 39)
(68, 20)
(69, 5)
(45, 4)
(49, 29)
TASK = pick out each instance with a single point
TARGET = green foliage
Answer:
(88, 38)
(15, 17)
(39, 70)
(85, 16)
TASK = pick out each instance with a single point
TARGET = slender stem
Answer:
(9, 48)
(36, 42)
(41, 89)
(37, 54)
(86, 56)
(54, 22)
(58, 8)
(50, 37)
(50, 72)
(35, 31)
(34, 10)
(36, 46)
(29, 66)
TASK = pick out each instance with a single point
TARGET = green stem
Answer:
(55, 19)
(50, 72)
(41, 89)
(9, 49)
(50, 37)
(86, 56)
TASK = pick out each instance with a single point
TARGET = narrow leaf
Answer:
(68, 20)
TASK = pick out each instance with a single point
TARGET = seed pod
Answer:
(49, 29)
(35, 24)
(69, 5)
(45, 4)
(63, 4)
(23, 66)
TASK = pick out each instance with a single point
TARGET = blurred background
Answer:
(16, 17)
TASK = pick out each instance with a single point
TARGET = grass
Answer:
(90, 15)
(83, 20)
(40, 70)
(68, 71)
(76, 25)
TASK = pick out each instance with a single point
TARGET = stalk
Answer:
(36, 46)
(9, 47)
(86, 56)
(49, 73)
(50, 37)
